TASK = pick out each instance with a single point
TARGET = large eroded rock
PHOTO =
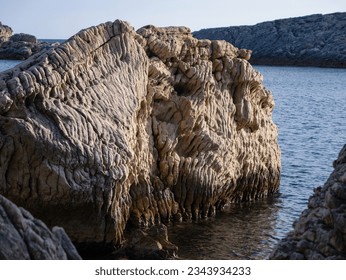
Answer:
(115, 128)
(22, 237)
(320, 231)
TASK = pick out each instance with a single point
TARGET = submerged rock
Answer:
(320, 231)
(315, 40)
(24, 237)
(149, 243)
(116, 128)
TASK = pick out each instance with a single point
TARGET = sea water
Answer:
(7, 64)
(310, 111)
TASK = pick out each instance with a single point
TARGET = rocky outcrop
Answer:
(320, 232)
(115, 129)
(24, 237)
(316, 40)
(18, 46)
(5, 33)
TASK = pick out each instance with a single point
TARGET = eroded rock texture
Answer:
(23, 237)
(320, 232)
(116, 128)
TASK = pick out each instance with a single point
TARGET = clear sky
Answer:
(60, 19)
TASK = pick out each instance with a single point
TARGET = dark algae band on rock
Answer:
(315, 40)
(116, 131)
(320, 231)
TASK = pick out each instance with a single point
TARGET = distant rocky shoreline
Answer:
(18, 46)
(315, 40)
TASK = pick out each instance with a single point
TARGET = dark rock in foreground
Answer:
(23, 237)
(18, 46)
(316, 40)
(320, 232)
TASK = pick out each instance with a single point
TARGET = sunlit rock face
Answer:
(117, 128)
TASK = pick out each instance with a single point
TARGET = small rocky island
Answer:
(18, 46)
(315, 40)
(114, 133)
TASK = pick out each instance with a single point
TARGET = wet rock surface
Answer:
(320, 232)
(149, 243)
(24, 237)
(316, 40)
(115, 129)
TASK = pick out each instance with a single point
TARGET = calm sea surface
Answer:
(7, 64)
(310, 113)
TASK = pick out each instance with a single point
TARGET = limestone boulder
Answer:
(116, 129)
(22, 37)
(21, 50)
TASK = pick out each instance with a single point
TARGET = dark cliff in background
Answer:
(315, 40)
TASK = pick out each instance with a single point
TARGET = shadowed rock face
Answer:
(315, 40)
(24, 237)
(320, 232)
(115, 128)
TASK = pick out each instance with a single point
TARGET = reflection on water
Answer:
(244, 231)
(310, 113)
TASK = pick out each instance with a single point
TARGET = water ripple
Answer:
(309, 112)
